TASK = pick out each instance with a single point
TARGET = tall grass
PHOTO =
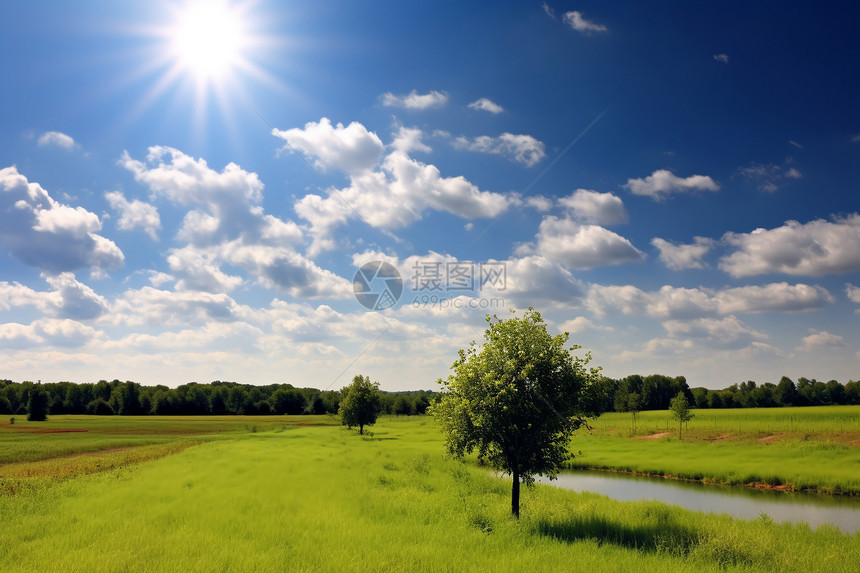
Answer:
(324, 499)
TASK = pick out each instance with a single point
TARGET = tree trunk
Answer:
(515, 493)
(361, 429)
(680, 425)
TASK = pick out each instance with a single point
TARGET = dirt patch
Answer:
(768, 439)
(854, 443)
(654, 436)
(783, 487)
(719, 438)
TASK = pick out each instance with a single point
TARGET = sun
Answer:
(208, 40)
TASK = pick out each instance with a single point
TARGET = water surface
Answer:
(742, 503)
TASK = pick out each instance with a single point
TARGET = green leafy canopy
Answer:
(518, 399)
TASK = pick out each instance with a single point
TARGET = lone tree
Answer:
(681, 411)
(361, 405)
(517, 400)
(37, 405)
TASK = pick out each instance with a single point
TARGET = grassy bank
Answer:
(808, 449)
(322, 498)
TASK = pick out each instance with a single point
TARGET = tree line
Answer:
(655, 392)
(631, 394)
(225, 398)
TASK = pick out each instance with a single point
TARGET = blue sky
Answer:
(188, 189)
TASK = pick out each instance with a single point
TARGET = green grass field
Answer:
(298, 497)
(812, 449)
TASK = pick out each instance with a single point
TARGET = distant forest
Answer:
(633, 393)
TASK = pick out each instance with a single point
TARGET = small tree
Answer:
(681, 411)
(634, 405)
(517, 401)
(361, 405)
(37, 405)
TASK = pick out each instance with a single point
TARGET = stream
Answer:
(843, 513)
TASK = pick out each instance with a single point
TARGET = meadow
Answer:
(305, 494)
(813, 449)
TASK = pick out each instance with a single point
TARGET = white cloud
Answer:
(722, 58)
(663, 183)
(351, 149)
(57, 139)
(394, 195)
(69, 299)
(162, 308)
(578, 246)
(408, 139)
(49, 235)
(578, 22)
(675, 302)
(135, 214)
(230, 228)
(577, 325)
(414, 100)
(593, 207)
(684, 256)
(486, 105)
(200, 270)
(524, 149)
(773, 297)
(820, 339)
(853, 293)
(815, 248)
(668, 302)
(548, 9)
(728, 332)
(539, 203)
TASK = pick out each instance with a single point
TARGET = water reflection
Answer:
(843, 513)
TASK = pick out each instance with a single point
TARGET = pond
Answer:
(742, 503)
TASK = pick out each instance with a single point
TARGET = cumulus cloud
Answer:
(229, 227)
(150, 306)
(44, 332)
(225, 203)
(409, 139)
(48, 235)
(524, 149)
(667, 302)
(684, 256)
(853, 293)
(351, 149)
(135, 214)
(773, 297)
(816, 248)
(485, 104)
(414, 100)
(395, 194)
(663, 183)
(728, 332)
(593, 207)
(820, 339)
(539, 203)
(57, 139)
(577, 325)
(69, 298)
(769, 177)
(578, 22)
(685, 303)
(579, 246)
